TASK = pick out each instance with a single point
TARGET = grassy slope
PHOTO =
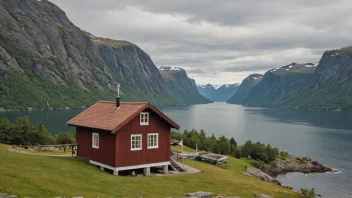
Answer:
(37, 176)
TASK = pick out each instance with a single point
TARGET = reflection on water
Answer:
(323, 136)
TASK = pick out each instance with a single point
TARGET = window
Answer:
(95, 140)
(144, 118)
(152, 140)
(136, 142)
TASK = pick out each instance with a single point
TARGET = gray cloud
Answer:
(220, 42)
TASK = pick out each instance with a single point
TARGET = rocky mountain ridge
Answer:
(48, 62)
(326, 85)
(181, 85)
(218, 93)
(279, 86)
(330, 88)
(242, 92)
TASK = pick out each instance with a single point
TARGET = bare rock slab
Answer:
(200, 194)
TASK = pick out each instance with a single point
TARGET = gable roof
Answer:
(104, 115)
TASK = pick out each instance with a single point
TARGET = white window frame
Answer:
(157, 140)
(142, 115)
(136, 135)
(93, 140)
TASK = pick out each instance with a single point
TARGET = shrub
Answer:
(308, 193)
(225, 146)
(258, 164)
(23, 132)
(65, 138)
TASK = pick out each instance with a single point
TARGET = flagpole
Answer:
(183, 157)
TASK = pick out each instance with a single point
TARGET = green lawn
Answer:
(42, 176)
(179, 149)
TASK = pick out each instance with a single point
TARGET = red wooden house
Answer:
(124, 136)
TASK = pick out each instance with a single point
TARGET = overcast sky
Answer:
(219, 41)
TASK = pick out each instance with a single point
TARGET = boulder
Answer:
(262, 176)
(199, 194)
(262, 196)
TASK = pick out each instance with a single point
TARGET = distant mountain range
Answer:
(325, 85)
(242, 92)
(181, 85)
(218, 93)
(46, 61)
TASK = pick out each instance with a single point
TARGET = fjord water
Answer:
(323, 136)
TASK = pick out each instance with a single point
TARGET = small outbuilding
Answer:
(124, 136)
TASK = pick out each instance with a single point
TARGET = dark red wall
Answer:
(104, 154)
(126, 157)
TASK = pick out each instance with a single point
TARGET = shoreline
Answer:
(296, 164)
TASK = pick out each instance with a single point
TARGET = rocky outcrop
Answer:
(279, 86)
(242, 92)
(262, 176)
(296, 164)
(218, 93)
(45, 59)
(262, 196)
(182, 86)
(200, 194)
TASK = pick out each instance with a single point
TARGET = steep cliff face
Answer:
(279, 86)
(220, 93)
(243, 90)
(207, 90)
(46, 61)
(134, 68)
(330, 87)
(182, 86)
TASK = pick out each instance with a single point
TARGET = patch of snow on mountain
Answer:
(216, 86)
(169, 68)
(287, 69)
(175, 68)
(290, 66)
(255, 78)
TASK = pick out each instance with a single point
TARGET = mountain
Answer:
(326, 85)
(279, 86)
(46, 61)
(207, 91)
(330, 88)
(181, 85)
(241, 94)
(220, 93)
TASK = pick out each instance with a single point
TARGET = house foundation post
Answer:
(166, 169)
(102, 168)
(147, 171)
(116, 173)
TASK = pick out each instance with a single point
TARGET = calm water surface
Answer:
(323, 136)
